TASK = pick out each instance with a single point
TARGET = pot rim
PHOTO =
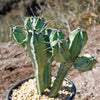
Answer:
(20, 82)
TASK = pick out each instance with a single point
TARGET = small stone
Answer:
(27, 91)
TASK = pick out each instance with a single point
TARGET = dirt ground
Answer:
(15, 66)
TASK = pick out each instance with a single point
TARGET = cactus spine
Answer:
(45, 44)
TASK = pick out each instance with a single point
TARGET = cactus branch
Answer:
(64, 67)
(85, 63)
(39, 60)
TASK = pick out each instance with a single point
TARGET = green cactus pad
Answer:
(85, 63)
(17, 35)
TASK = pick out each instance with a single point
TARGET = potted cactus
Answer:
(44, 45)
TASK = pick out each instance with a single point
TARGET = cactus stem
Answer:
(64, 67)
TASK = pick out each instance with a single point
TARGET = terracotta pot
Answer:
(19, 83)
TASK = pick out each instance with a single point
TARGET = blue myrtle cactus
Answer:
(44, 45)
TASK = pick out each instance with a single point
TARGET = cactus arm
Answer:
(76, 42)
(37, 47)
(40, 24)
(27, 42)
(85, 63)
(64, 67)
(62, 54)
(55, 35)
(37, 25)
(17, 35)
(75, 45)
(60, 49)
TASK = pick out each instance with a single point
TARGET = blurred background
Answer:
(63, 14)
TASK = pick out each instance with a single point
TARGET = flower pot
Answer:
(22, 81)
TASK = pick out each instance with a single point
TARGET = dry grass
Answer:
(63, 14)
(77, 13)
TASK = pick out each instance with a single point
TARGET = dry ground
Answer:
(15, 66)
